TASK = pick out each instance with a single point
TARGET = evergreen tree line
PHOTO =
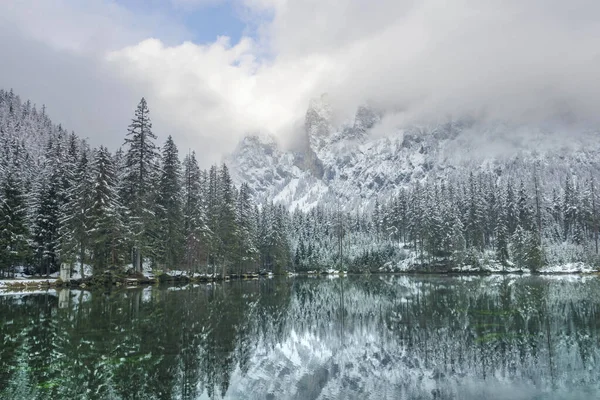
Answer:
(478, 219)
(484, 218)
(64, 202)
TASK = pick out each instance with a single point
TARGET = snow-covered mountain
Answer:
(372, 156)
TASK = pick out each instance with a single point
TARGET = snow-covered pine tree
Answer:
(195, 228)
(502, 236)
(106, 228)
(569, 209)
(226, 226)
(14, 232)
(210, 194)
(74, 222)
(246, 246)
(137, 186)
(47, 205)
(169, 211)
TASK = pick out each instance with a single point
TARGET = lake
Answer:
(357, 337)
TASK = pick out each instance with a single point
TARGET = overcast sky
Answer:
(214, 70)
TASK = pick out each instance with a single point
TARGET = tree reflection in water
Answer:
(356, 337)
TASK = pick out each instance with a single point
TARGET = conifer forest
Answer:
(149, 203)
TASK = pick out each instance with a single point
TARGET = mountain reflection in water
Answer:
(377, 337)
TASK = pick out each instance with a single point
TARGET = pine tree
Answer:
(526, 215)
(459, 244)
(74, 222)
(226, 226)
(569, 208)
(502, 238)
(211, 183)
(47, 204)
(137, 187)
(377, 218)
(107, 231)
(512, 213)
(169, 210)
(476, 218)
(195, 228)
(246, 246)
(14, 245)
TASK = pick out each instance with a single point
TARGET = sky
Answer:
(213, 71)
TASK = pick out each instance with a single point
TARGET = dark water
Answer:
(353, 338)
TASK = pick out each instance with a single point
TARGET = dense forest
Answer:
(478, 220)
(63, 202)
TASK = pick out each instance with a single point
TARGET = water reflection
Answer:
(391, 337)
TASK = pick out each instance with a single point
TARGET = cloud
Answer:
(91, 27)
(212, 95)
(79, 92)
(53, 53)
(415, 59)
(512, 59)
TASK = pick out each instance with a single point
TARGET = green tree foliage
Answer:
(107, 231)
(195, 229)
(138, 187)
(14, 233)
(169, 212)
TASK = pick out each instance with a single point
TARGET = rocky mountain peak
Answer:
(345, 161)
(317, 122)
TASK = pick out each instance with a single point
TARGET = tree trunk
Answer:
(138, 260)
(81, 256)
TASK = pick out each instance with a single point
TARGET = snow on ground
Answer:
(175, 272)
(410, 263)
(569, 268)
(76, 271)
(493, 267)
(22, 293)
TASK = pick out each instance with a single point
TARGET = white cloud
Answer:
(92, 26)
(53, 53)
(418, 58)
(213, 94)
(431, 58)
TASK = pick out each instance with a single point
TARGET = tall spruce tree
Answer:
(211, 194)
(74, 223)
(226, 226)
(195, 228)
(137, 187)
(106, 231)
(14, 233)
(246, 246)
(169, 210)
(47, 204)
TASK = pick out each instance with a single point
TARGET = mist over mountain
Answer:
(374, 154)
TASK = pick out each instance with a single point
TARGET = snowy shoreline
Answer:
(35, 285)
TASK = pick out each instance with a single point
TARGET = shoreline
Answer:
(33, 284)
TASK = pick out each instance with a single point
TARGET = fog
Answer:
(519, 61)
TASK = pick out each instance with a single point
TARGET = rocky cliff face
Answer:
(351, 163)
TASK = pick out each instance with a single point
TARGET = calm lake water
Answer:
(378, 337)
